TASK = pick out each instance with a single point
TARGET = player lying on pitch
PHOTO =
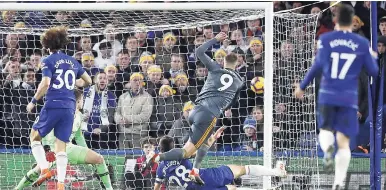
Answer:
(219, 178)
(220, 91)
(77, 154)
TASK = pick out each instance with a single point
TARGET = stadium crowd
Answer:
(146, 82)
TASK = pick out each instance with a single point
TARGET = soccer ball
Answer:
(257, 85)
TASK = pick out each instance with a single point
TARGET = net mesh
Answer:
(139, 39)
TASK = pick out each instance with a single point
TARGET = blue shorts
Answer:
(337, 118)
(215, 178)
(59, 120)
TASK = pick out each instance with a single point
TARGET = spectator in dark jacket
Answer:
(181, 128)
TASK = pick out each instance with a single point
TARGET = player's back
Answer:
(342, 56)
(175, 172)
(64, 70)
(220, 89)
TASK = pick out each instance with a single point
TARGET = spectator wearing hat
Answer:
(357, 25)
(219, 56)
(88, 63)
(133, 113)
(183, 92)
(110, 38)
(255, 56)
(253, 128)
(169, 47)
(105, 56)
(155, 80)
(168, 109)
(145, 61)
(181, 127)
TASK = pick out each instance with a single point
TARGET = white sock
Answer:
(326, 139)
(39, 154)
(61, 164)
(342, 162)
(258, 170)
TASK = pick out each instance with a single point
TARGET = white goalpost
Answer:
(288, 48)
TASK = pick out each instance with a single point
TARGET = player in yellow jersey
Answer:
(77, 154)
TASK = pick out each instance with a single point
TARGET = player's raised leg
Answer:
(94, 158)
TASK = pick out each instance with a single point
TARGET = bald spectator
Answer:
(133, 113)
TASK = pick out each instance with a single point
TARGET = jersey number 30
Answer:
(336, 57)
(64, 79)
(226, 80)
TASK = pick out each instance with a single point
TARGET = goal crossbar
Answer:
(133, 6)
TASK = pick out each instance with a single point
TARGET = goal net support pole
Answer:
(268, 41)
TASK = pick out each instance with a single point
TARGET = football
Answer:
(257, 85)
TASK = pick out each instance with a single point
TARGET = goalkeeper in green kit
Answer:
(77, 154)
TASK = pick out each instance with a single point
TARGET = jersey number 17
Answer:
(348, 59)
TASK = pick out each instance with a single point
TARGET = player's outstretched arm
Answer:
(205, 59)
(41, 91)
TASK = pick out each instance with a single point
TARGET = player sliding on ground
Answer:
(340, 57)
(219, 178)
(77, 154)
(59, 108)
(220, 90)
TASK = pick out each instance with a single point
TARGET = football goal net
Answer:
(274, 51)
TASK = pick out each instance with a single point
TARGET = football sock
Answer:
(342, 162)
(326, 139)
(258, 170)
(39, 154)
(61, 164)
(28, 179)
(173, 154)
(201, 153)
(103, 173)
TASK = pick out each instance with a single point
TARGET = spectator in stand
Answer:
(20, 97)
(219, 56)
(143, 177)
(242, 66)
(145, 61)
(98, 113)
(180, 130)
(357, 25)
(177, 64)
(34, 64)
(381, 46)
(11, 74)
(168, 110)
(155, 80)
(110, 38)
(133, 113)
(112, 84)
(184, 92)
(382, 26)
(323, 23)
(163, 57)
(255, 55)
(88, 64)
(198, 80)
(254, 29)
(199, 40)
(158, 43)
(105, 56)
(60, 18)
(144, 44)
(8, 18)
(237, 40)
(278, 6)
(250, 139)
(85, 44)
(208, 32)
(124, 63)
(297, 7)
(133, 50)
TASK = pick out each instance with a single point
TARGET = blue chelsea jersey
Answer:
(176, 172)
(63, 71)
